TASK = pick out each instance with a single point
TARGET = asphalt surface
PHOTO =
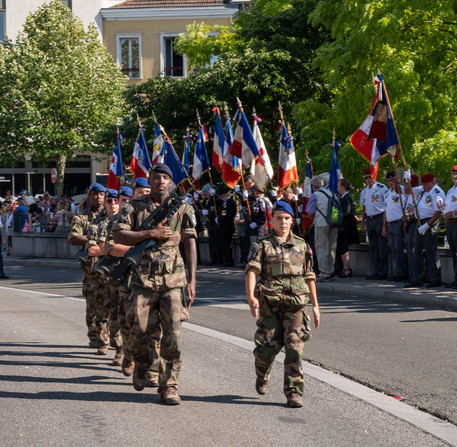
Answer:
(405, 351)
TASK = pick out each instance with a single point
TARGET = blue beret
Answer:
(161, 168)
(141, 182)
(280, 205)
(111, 192)
(125, 191)
(96, 187)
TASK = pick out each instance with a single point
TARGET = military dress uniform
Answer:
(157, 300)
(427, 203)
(394, 201)
(283, 266)
(373, 201)
(450, 205)
(79, 227)
(211, 225)
(226, 228)
(258, 219)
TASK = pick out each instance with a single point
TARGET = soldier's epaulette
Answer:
(437, 190)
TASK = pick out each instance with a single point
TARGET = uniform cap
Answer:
(161, 168)
(426, 178)
(390, 174)
(125, 191)
(258, 188)
(97, 187)
(141, 182)
(454, 168)
(224, 190)
(111, 193)
(280, 205)
(247, 177)
(366, 171)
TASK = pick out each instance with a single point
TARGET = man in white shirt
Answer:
(372, 200)
(430, 203)
(450, 218)
(393, 225)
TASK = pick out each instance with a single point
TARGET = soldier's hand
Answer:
(254, 306)
(190, 293)
(161, 232)
(317, 317)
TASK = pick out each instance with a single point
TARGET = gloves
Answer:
(196, 195)
(298, 190)
(407, 175)
(423, 228)
(253, 225)
(212, 191)
(274, 193)
(217, 220)
(205, 212)
(237, 188)
(298, 221)
(300, 208)
(295, 197)
(245, 195)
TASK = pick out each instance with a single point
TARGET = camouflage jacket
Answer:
(164, 268)
(283, 265)
(97, 226)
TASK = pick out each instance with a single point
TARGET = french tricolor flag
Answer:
(201, 163)
(116, 168)
(231, 166)
(287, 166)
(219, 141)
(244, 145)
(140, 163)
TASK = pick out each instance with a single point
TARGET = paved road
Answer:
(47, 369)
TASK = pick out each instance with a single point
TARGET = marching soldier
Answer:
(78, 236)
(157, 282)
(372, 200)
(283, 262)
(430, 203)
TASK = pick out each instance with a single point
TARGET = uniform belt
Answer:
(376, 215)
(395, 221)
(451, 220)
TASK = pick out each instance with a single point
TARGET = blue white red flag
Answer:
(376, 137)
(116, 177)
(140, 163)
(261, 169)
(244, 145)
(170, 158)
(201, 162)
(186, 153)
(335, 173)
(307, 191)
(219, 141)
(231, 165)
(287, 166)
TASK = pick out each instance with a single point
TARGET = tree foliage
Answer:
(58, 87)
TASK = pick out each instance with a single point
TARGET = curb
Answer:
(440, 298)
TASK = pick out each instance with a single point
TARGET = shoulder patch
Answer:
(437, 190)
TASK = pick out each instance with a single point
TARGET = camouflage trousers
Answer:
(101, 305)
(156, 319)
(89, 291)
(124, 300)
(111, 306)
(279, 326)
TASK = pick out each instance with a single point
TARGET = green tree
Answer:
(414, 45)
(58, 88)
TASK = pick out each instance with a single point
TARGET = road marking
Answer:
(424, 421)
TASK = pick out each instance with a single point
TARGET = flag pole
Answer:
(405, 166)
(294, 186)
(209, 167)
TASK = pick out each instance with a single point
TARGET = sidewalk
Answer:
(439, 297)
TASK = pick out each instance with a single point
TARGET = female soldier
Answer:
(287, 282)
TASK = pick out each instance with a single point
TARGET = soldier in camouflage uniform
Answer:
(287, 283)
(78, 236)
(157, 282)
(108, 326)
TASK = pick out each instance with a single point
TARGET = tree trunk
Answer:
(61, 162)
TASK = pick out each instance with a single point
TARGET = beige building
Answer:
(140, 34)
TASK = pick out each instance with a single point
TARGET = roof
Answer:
(168, 3)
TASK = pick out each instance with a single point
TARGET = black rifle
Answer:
(133, 255)
(105, 265)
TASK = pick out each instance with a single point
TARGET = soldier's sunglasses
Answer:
(110, 201)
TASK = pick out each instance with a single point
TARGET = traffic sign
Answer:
(53, 175)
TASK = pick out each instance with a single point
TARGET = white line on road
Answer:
(426, 422)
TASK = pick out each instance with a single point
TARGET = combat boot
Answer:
(118, 357)
(294, 400)
(169, 396)
(102, 350)
(139, 379)
(153, 382)
(127, 366)
(261, 387)
(93, 343)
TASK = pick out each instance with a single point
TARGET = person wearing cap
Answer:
(284, 264)
(157, 303)
(258, 215)
(430, 203)
(124, 195)
(211, 202)
(374, 205)
(450, 219)
(141, 186)
(78, 236)
(393, 226)
(226, 227)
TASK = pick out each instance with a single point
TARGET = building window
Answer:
(173, 64)
(2, 20)
(129, 55)
(67, 3)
